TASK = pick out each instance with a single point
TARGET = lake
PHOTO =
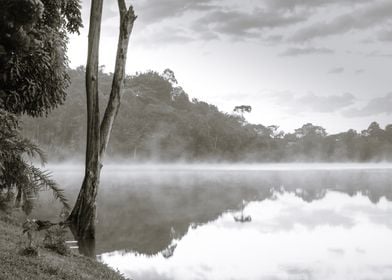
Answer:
(240, 221)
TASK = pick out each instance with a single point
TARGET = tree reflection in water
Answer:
(138, 211)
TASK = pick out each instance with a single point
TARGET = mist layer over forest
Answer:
(159, 122)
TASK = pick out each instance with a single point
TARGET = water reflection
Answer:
(288, 238)
(180, 224)
(138, 211)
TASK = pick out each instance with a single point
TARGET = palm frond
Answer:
(44, 181)
(18, 174)
(32, 150)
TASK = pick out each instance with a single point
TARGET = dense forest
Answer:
(158, 121)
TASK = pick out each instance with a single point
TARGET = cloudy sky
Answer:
(294, 61)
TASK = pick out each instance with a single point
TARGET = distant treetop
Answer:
(242, 109)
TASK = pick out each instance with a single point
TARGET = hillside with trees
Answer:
(159, 121)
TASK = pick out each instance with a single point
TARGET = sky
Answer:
(327, 62)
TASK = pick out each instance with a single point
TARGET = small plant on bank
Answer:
(29, 251)
(55, 240)
(30, 228)
(54, 237)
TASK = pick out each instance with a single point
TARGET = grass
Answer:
(48, 264)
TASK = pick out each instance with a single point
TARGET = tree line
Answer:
(158, 121)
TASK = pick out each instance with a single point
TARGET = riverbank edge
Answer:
(48, 264)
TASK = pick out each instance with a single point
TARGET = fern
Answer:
(16, 173)
(43, 181)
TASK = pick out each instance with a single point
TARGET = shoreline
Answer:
(48, 264)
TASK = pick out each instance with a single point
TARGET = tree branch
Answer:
(127, 19)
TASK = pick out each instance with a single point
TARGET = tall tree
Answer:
(82, 217)
(33, 79)
(33, 61)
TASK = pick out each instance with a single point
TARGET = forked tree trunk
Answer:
(82, 217)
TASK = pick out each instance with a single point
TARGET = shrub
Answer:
(55, 240)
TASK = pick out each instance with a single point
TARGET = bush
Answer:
(55, 240)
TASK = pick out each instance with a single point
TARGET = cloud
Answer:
(254, 20)
(364, 18)
(235, 23)
(201, 19)
(176, 36)
(376, 106)
(153, 11)
(156, 11)
(336, 70)
(378, 54)
(305, 51)
(385, 35)
(308, 4)
(326, 104)
(314, 103)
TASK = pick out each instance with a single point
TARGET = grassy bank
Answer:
(48, 265)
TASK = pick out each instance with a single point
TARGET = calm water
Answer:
(304, 222)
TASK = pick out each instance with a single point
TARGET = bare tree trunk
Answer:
(215, 142)
(82, 217)
(134, 153)
(127, 18)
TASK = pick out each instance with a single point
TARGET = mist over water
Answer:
(177, 221)
(150, 166)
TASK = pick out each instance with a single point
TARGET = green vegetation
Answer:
(33, 79)
(20, 181)
(33, 61)
(158, 121)
(48, 264)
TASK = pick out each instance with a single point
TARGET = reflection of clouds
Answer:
(291, 212)
(360, 251)
(292, 217)
(336, 251)
(321, 242)
(313, 219)
(298, 273)
(380, 215)
(384, 268)
(150, 275)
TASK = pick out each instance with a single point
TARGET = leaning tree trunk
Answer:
(82, 217)
(127, 18)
